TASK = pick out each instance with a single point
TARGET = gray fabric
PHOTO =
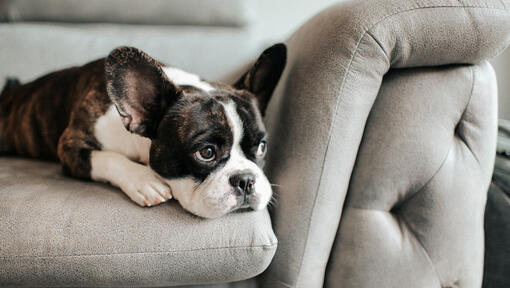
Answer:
(497, 230)
(335, 68)
(249, 283)
(497, 216)
(414, 211)
(503, 146)
(162, 12)
(57, 231)
(31, 50)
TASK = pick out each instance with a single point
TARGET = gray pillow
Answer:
(158, 12)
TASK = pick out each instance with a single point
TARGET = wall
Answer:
(281, 18)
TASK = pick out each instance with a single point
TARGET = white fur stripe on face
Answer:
(236, 125)
(181, 77)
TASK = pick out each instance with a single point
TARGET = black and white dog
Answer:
(155, 132)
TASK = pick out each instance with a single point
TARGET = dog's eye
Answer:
(261, 150)
(206, 154)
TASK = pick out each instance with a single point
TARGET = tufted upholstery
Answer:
(415, 200)
(417, 193)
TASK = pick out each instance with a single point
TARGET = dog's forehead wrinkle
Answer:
(251, 118)
(192, 115)
(258, 116)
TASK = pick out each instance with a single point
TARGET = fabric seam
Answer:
(268, 247)
(473, 78)
(427, 255)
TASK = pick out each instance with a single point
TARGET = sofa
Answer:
(382, 138)
(497, 215)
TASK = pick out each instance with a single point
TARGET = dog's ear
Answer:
(262, 77)
(139, 88)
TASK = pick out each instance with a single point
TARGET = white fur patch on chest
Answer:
(114, 137)
(181, 77)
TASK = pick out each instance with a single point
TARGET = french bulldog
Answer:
(155, 132)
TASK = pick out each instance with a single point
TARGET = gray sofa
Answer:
(497, 215)
(383, 132)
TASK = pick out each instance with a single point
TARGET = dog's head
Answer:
(207, 139)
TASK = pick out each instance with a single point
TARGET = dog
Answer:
(155, 132)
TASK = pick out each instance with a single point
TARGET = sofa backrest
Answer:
(155, 12)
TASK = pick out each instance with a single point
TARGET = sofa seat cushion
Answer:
(58, 231)
(160, 12)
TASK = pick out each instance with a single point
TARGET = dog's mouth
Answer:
(243, 203)
(246, 201)
(215, 196)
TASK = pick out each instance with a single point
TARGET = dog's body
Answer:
(153, 131)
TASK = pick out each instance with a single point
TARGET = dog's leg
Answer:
(83, 159)
(139, 182)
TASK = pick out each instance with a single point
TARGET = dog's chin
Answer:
(214, 208)
(216, 203)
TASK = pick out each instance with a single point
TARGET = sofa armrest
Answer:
(317, 116)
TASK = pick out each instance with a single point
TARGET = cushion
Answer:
(162, 12)
(211, 52)
(57, 231)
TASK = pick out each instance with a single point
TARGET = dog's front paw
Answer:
(146, 188)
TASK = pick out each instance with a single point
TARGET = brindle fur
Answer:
(52, 117)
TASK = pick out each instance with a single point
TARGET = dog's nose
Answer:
(243, 182)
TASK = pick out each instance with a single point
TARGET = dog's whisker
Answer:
(272, 201)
